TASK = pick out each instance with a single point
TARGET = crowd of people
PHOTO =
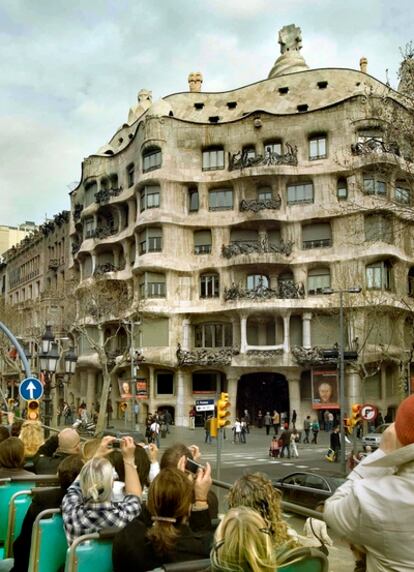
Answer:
(166, 511)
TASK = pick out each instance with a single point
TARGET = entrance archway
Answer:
(263, 392)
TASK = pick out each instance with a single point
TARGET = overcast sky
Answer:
(72, 68)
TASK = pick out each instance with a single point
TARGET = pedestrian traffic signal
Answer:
(356, 415)
(223, 411)
(33, 410)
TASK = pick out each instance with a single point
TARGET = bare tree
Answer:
(102, 310)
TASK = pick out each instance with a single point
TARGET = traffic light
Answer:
(356, 415)
(223, 411)
(33, 410)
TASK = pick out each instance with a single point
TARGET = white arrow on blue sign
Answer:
(31, 388)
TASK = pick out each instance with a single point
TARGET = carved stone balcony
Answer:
(206, 357)
(104, 195)
(103, 231)
(287, 289)
(318, 243)
(255, 205)
(311, 356)
(75, 247)
(107, 267)
(243, 159)
(53, 264)
(259, 246)
(374, 145)
(77, 210)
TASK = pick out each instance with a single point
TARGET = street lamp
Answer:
(48, 360)
(342, 404)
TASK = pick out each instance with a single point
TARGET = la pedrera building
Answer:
(237, 224)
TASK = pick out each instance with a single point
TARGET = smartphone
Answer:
(192, 466)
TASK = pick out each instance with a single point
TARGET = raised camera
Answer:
(192, 466)
(116, 444)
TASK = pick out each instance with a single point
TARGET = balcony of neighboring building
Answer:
(251, 244)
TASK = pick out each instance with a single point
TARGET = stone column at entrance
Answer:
(181, 413)
(151, 388)
(232, 391)
(90, 389)
(306, 330)
(294, 400)
(83, 382)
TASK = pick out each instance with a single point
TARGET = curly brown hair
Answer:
(257, 492)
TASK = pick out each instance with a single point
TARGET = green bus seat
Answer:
(303, 560)
(8, 488)
(49, 545)
(91, 552)
(18, 507)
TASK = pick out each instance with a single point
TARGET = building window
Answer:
(213, 335)
(342, 189)
(150, 197)
(209, 285)
(300, 193)
(318, 280)
(220, 199)
(165, 382)
(213, 159)
(150, 240)
(249, 152)
(90, 190)
(372, 186)
(264, 194)
(411, 282)
(317, 147)
(152, 285)
(130, 170)
(202, 241)
(402, 194)
(273, 147)
(373, 134)
(89, 227)
(378, 275)
(378, 227)
(257, 282)
(151, 159)
(193, 200)
(318, 235)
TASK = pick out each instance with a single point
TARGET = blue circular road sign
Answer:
(31, 388)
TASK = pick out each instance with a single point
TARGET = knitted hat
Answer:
(404, 421)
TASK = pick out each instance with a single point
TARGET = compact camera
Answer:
(192, 466)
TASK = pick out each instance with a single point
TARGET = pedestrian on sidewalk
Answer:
(260, 419)
(326, 420)
(155, 432)
(207, 427)
(306, 428)
(294, 439)
(268, 422)
(285, 441)
(237, 432)
(335, 443)
(315, 431)
(275, 422)
(243, 431)
(294, 417)
(274, 448)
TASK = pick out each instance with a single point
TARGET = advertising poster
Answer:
(325, 388)
(125, 389)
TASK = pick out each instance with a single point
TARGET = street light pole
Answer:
(342, 405)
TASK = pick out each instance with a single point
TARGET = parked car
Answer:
(373, 439)
(307, 489)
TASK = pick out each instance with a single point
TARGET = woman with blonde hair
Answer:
(32, 436)
(243, 543)
(257, 492)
